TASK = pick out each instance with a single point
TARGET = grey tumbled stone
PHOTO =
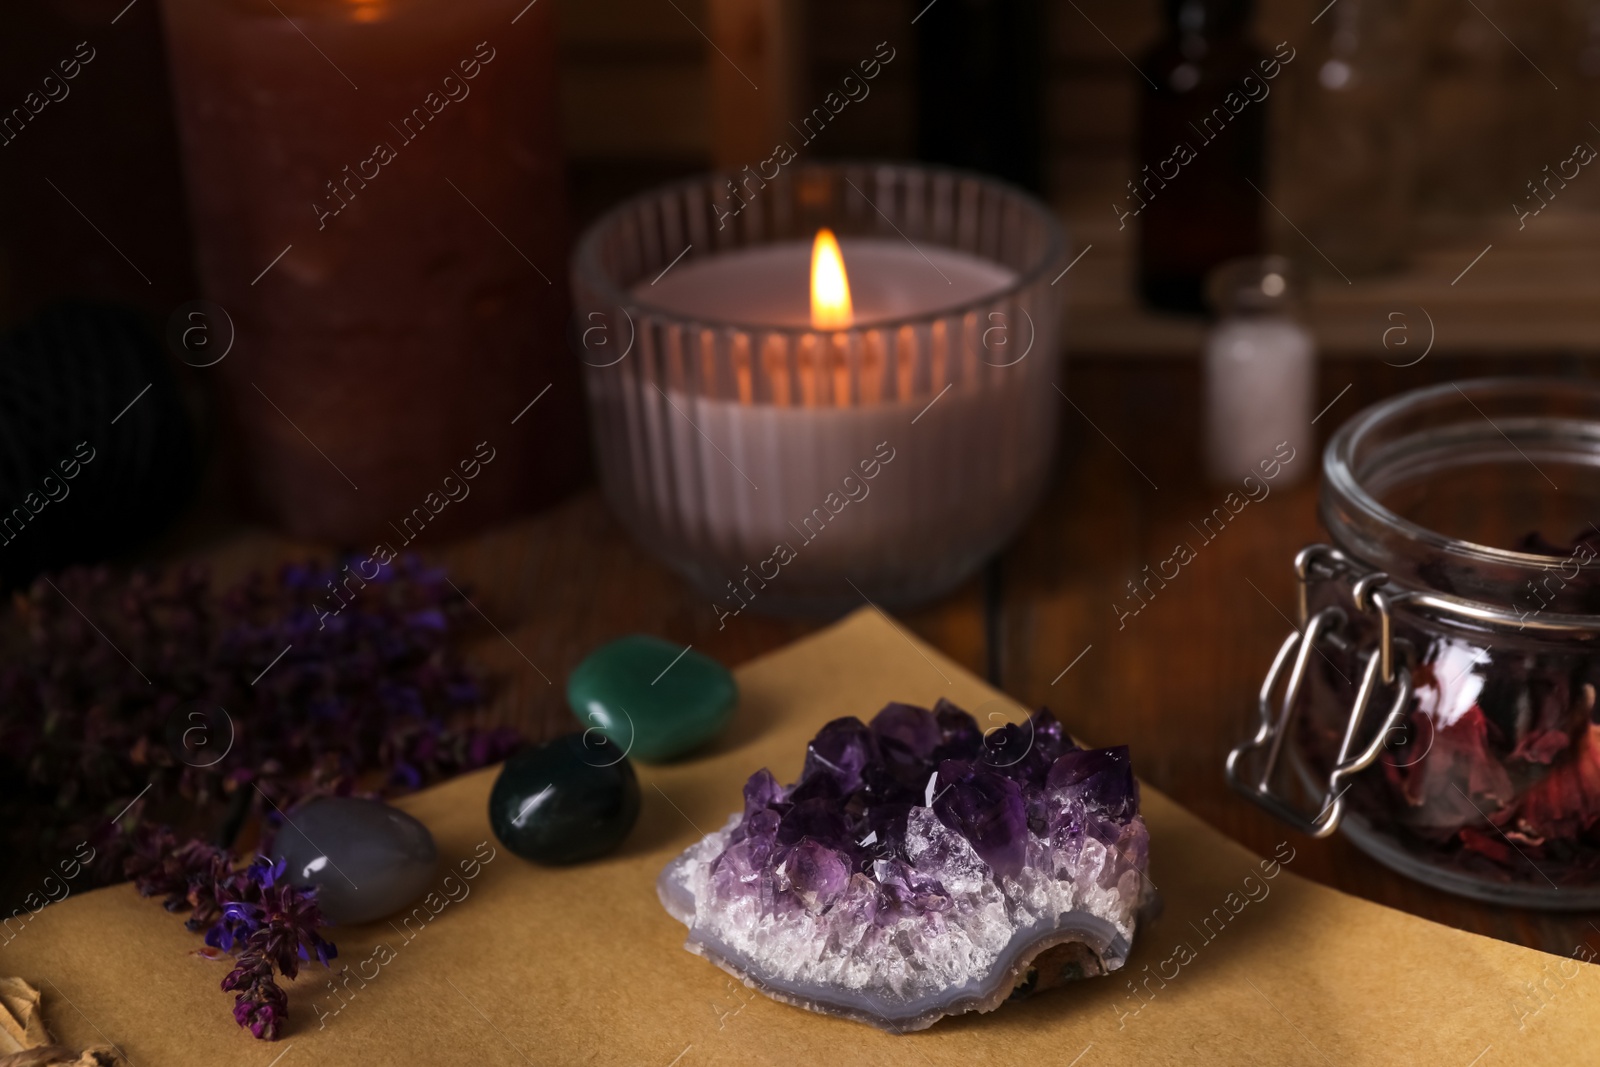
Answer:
(366, 859)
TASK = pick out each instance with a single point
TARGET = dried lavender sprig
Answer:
(274, 925)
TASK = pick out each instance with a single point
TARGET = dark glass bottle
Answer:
(1202, 127)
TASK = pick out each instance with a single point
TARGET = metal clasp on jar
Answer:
(1385, 668)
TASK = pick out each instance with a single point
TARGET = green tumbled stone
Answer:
(650, 697)
(565, 801)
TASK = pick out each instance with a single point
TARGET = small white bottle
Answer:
(1259, 374)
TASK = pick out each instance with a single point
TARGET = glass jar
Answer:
(1438, 698)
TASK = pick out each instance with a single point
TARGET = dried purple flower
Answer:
(275, 925)
(261, 1004)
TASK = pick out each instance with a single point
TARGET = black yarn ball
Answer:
(97, 450)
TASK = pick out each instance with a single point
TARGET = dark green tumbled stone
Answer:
(652, 698)
(565, 801)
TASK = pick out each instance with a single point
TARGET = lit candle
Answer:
(795, 422)
(784, 284)
(951, 462)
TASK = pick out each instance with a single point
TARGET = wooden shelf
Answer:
(1534, 291)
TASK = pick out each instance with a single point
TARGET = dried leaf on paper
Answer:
(57, 1056)
(21, 1021)
(24, 1042)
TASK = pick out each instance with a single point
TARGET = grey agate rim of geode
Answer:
(899, 1016)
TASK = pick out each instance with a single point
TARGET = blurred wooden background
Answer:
(1506, 87)
(653, 89)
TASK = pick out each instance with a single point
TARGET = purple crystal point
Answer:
(1025, 751)
(985, 808)
(1051, 734)
(919, 868)
(815, 873)
(914, 727)
(819, 819)
(839, 752)
(1101, 778)
(761, 791)
(962, 738)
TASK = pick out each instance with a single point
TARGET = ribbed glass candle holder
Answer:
(783, 468)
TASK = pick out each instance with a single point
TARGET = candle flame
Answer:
(830, 288)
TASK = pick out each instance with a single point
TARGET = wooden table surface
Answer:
(1177, 682)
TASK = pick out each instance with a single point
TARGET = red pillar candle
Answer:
(376, 190)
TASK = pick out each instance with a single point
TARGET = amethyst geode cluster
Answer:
(921, 868)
